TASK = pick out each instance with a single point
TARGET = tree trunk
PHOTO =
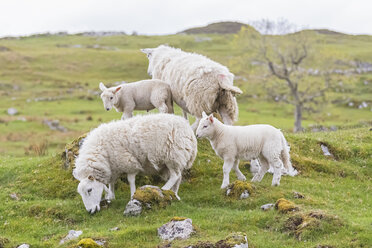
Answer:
(298, 119)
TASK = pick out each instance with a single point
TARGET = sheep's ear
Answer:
(117, 89)
(204, 114)
(147, 51)
(210, 118)
(75, 174)
(90, 177)
(102, 86)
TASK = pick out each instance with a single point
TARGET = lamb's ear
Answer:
(102, 86)
(210, 117)
(117, 89)
(204, 114)
(90, 177)
(147, 51)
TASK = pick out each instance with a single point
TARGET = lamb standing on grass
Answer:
(198, 84)
(232, 143)
(141, 95)
(161, 144)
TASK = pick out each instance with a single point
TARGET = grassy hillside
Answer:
(56, 78)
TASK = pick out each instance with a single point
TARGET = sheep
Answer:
(232, 143)
(198, 84)
(141, 95)
(161, 144)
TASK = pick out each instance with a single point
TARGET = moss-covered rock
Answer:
(233, 240)
(88, 243)
(3, 242)
(72, 151)
(303, 225)
(284, 206)
(176, 218)
(239, 190)
(151, 196)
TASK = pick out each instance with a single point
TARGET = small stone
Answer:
(180, 229)
(72, 234)
(267, 206)
(298, 195)
(133, 208)
(12, 111)
(244, 195)
(115, 229)
(325, 150)
(14, 196)
(24, 246)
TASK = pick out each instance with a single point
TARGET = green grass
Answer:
(49, 205)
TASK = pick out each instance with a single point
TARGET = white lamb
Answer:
(141, 95)
(161, 144)
(232, 143)
(198, 84)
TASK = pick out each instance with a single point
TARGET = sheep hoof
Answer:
(224, 186)
(242, 178)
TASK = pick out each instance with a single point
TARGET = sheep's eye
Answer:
(111, 98)
(205, 126)
(89, 190)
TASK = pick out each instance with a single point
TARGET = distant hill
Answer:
(217, 28)
(324, 31)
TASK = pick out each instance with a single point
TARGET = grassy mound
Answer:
(235, 189)
(151, 196)
(284, 206)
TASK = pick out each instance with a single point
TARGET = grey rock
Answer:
(100, 242)
(24, 246)
(244, 195)
(12, 111)
(133, 208)
(54, 125)
(267, 206)
(72, 234)
(325, 150)
(115, 229)
(176, 229)
(298, 195)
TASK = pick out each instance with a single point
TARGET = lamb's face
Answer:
(91, 193)
(109, 96)
(149, 53)
(205, 128)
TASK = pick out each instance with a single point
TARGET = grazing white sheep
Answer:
(232, 143)
(161, 144)
(198, 84)
(141, 95)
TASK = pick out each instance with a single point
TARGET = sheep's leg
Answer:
(227, 166)
(184, 114)
(110, 195)
(276, 164)
(195, 125)
(174, 176)
(238, 173)
(163, 108)
(176, 186)
(127, 114)
(262, 171)
(132, 184)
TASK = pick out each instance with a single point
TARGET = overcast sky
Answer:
(23, 17)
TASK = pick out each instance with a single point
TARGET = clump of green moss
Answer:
(88, 243)
(304, 225)
(232, 240)
(237, 188)
(176, 218)
(151, 196)
(3, 242)
(284, 206)
(72, 151)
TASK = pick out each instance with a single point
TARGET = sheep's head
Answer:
(206, 126)
(109, 96)
(91, 192)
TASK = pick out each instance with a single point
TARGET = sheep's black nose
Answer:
(107, 109)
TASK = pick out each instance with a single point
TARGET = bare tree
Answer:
(283, 55)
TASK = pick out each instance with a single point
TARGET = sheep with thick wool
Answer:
(141, 95)
(232, 143)
(198, 84)
(161, 144)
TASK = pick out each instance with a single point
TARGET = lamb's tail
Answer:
(286, 158)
